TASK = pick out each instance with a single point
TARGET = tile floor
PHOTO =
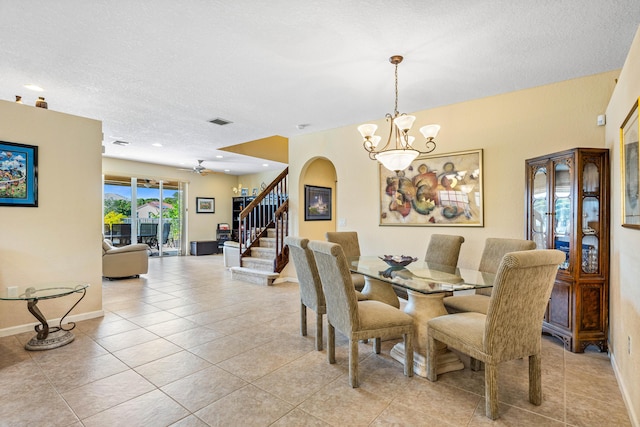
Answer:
(187, 346)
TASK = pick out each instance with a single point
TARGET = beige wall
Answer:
(509, 128)
(200, 226)
(59, 241)
(624, 294)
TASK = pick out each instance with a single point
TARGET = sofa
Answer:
(124, 261)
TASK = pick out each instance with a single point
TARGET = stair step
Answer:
(264, 264)
(263, 252)
(258, 277)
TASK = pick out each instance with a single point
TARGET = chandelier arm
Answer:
(430, 145)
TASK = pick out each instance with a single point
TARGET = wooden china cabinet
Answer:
(567, 208)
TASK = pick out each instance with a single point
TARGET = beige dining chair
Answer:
(351, 247)
(311, 294)
(358, 320)
(370, 288)
(512, 327)
(443, 250)
(492, 254)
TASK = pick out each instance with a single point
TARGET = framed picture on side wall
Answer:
(18, 174)
(317, 203)
(205, 205)
(630, 167)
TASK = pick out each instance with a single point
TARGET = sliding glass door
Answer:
(158, 213)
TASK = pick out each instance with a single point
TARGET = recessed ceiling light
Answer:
(227, 170)
(218, 157)
(266, 165)
(157, 144)
(34, 87)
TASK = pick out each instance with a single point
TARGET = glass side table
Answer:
(46, 337)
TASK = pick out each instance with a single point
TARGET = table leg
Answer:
(423, 307)
(48, 338)
(380, 291)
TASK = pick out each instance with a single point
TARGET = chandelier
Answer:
(398, 153)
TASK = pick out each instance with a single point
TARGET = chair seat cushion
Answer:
(465, 303)
(378, 315)
(468, 328)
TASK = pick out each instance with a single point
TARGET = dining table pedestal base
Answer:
(423, 307)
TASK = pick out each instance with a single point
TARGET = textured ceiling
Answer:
(158, 71)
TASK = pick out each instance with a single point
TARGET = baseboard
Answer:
(633, 417)
(13, 330)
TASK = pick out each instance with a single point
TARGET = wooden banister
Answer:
(268, 210)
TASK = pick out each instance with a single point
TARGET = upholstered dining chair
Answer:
(512, 327)
(311, 294)
(443, 250)
(351, 247)
(494, 250)
(370, 288)
(357, 320)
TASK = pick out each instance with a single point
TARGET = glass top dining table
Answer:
(420, 276)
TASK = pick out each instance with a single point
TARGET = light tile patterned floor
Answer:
(187, 346)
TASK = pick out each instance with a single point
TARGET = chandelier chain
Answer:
(395, 111)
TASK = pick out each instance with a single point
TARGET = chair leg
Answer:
(318, 332)
(491, 390)
(535, 379)
(377, 345)
(475, 364)
(432, 354)
(353, 363)
(303, 319)
(331, 343)
(408, 354)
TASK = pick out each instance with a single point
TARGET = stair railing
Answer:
(268, 210)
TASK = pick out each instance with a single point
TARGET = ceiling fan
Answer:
(199, 169)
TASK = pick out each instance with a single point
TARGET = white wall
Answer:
(624, 295)
(60, 240)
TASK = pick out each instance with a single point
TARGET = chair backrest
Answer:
(520, 295)
(347, 239)
(496, 248)
(166, 228)
(311, 292)
(444, 249)
(339, 293)
(148, 229)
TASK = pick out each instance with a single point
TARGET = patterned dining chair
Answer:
(492, 254)
(511, 328)
(358, 320)
(371, 288)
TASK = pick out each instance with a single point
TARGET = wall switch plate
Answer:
(12, 291)
(602, 120)
(342, 222)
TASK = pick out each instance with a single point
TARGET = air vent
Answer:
(118, 142)
(220, 122)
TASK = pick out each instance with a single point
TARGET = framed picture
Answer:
(629, 167)
(18, 174)
(255, 192)
(440, 190)
(244, 192)
(205, 205)
(317, 203)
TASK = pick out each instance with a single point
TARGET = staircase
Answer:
(258, 266)
(263, 226)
